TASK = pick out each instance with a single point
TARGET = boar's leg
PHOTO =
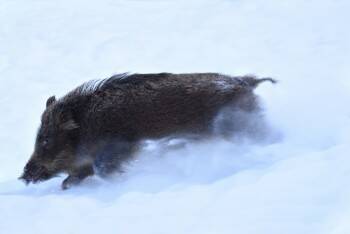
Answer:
(77, 176)
(111, 156)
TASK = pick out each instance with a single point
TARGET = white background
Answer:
(296, 184)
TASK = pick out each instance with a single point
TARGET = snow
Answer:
(297, 182)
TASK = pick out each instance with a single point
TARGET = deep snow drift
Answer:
(295, 182)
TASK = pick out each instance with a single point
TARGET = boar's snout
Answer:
(34, 172)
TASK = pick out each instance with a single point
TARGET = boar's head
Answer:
(54, 146)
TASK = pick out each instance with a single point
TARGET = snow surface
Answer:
(296, 184)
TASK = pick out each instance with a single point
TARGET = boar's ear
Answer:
(50, 101)
(69, 125)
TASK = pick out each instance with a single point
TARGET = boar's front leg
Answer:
(112, 155)
(77, 176)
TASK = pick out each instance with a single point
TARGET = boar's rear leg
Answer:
(77, 176)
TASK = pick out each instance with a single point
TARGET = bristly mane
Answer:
(95, 85)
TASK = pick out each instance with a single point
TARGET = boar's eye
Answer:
(45, 142)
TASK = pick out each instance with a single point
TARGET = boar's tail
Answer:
(253, 82)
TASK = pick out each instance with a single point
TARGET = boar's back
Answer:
(154, 105)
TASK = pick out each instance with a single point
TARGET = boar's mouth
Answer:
(34, 173)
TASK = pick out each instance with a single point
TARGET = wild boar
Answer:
(98, 126)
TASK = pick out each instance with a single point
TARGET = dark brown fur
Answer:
(97, 126)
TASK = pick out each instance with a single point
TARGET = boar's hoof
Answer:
(70, 181)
